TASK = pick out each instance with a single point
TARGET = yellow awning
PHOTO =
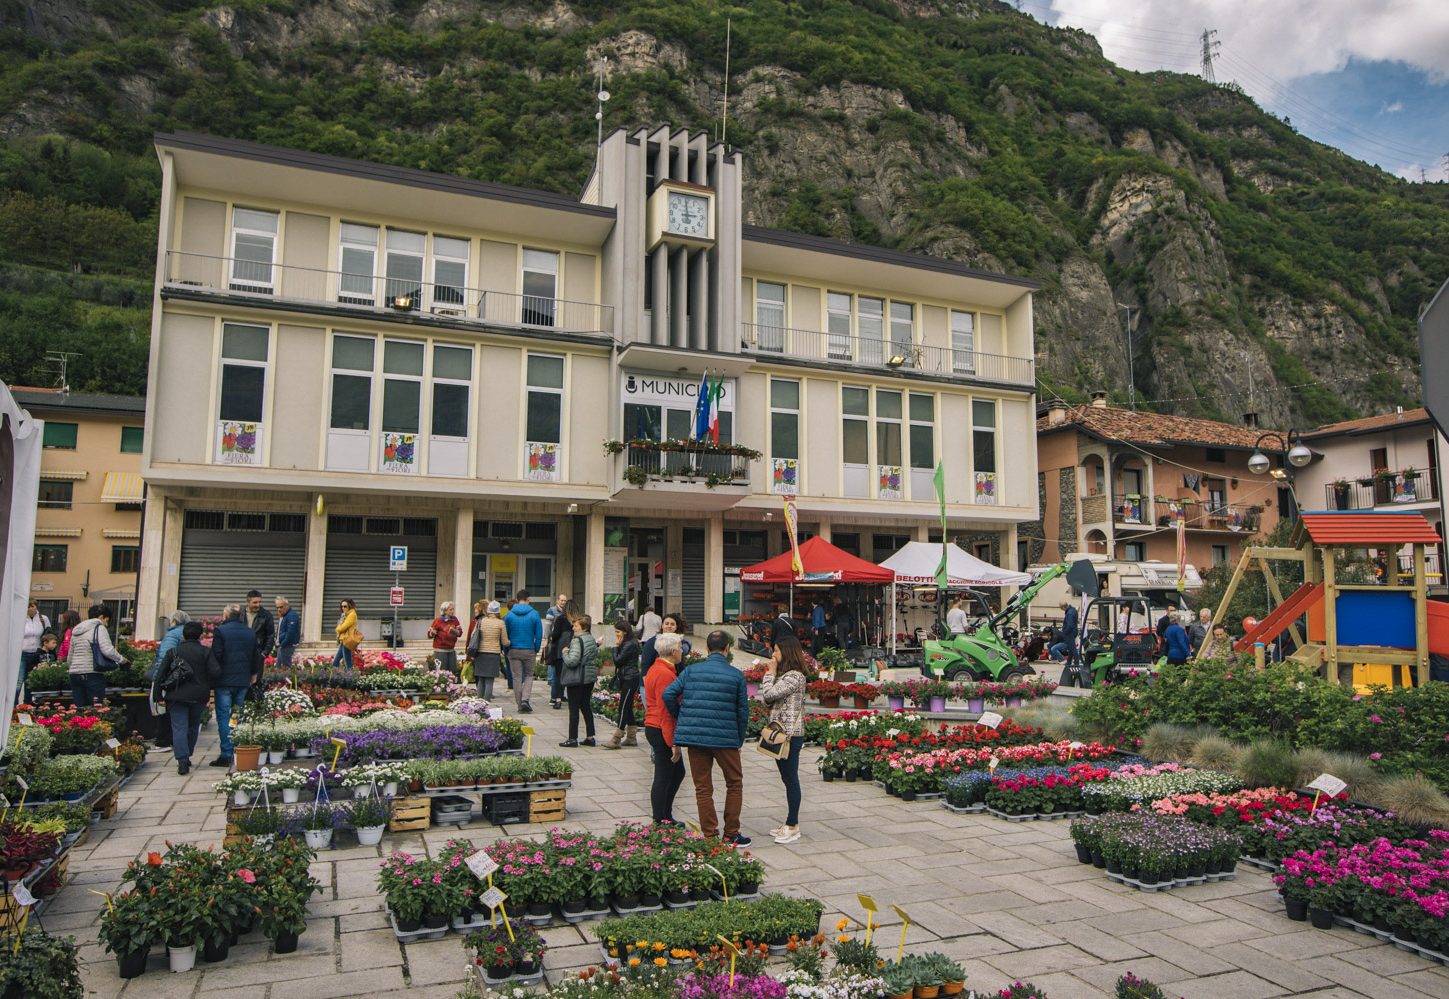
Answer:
(122, 487)
(70, 475)
(115, 532)
(57, 532)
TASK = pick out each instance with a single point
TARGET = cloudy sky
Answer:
(1368, 76)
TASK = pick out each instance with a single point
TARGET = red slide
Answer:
(1289, 611)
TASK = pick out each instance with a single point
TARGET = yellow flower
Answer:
(842, 938)
(633, 962)
(660, 962)
(659, 945)
(642, 944)
(844, 922)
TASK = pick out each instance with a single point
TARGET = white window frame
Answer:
(963, 343)
(786, 466)
(250, 284)
(384, 377)
(771, 336)
(906, 347)
(449, 307)
(911, 424)
(528, 389)
(436, 379)
(871, 346)
(881, 422)
(362, 438)
(393, 288)
(995, 429)
(840, 346)
(225, 362)
(552, 301)
(852, 467)
(344, 295)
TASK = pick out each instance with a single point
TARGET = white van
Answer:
(1157, 581)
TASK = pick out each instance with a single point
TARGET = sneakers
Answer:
(788, 834)
(739, 839)
(526, 709)
(183, 768)
(589, 742)
(570, 744)
(779, 830)
(220, 761)
(555, 704)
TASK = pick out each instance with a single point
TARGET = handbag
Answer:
(100, 662)
(774, 741)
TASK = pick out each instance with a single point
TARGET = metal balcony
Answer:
(885, 354)
(695, 476)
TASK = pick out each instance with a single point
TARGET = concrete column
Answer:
(921, 531)
(824, 529)
(1008, 549)
(714, 568)
(169, 591)
(594, 566)
(659, 317)
(563, 558)
(313, 613)
(699, 289)
(148, 580)
(679, 299)
(462, 583)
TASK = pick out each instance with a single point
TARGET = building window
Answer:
(903, 331)
(452, 378)
(770, 315)
(540, 287)
(870, 329)
(1220, 554)
(55, 494)
(545, 397)
(784, 436)
(132, 439)
(1216, 454)
(837, 319)
(402, 400)
(855, 439)
(450, 274)
(352, 362)
(888, 443)
(1134, 551)
(243, 372)
(983, 449)
(59, 435)
(253, 249)
(963, 342)
(404, 269)
(982, 550)
(125, 558)
(923, 445)
(358, 263)
(49, 558)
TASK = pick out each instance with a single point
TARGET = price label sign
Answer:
(493, 898)
(4, 802)
(993, 764)
(24, 786)
(1077, 745)
(528, 730)
(990, 719)
(25, 719)
(495, 714)
(905, 925)
(481, 864)
(892, 733)
(113, 743)
(1329, 785)
(21, 894)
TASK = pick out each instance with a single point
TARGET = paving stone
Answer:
(1024, 964)
(350, 983)
(1066, 986)
(1233, 985)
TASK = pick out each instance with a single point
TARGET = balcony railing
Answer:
(886, 354)
(381, 295)
(682, 460)
(1433, 567)
(1391, 490)
(1233, 517)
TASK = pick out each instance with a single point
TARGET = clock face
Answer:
(688, 214)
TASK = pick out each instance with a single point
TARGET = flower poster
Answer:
(542, 461)
(400, 453)
(785, 476)
(890, 482)
(237, 443)
(985, 487)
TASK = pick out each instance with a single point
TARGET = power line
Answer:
(1210, 47)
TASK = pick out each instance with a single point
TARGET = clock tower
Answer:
(671, 266)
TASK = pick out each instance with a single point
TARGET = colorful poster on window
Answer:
(889, 485)
(785, 476)
(543, 461)
(400, 453)
(985, 487)
(236, 443)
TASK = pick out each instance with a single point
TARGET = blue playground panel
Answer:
(1369, 618)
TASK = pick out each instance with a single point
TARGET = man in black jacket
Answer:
(259, 619)
(236, 650)
(184, 680)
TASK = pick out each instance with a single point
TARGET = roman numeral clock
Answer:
(681, 214)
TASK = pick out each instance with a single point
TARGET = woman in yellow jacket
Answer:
(348, 637)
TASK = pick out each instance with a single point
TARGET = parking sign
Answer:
(397, 558)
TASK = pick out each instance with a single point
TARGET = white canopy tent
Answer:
(916, 564)
(20, 443)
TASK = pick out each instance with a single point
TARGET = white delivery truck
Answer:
(1154, 581)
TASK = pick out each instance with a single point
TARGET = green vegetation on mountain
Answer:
(961, 129)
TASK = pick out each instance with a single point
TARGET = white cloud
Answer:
(1416, 172)
(1284, 39)
(1392, 108)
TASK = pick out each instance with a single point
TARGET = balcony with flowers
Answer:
(698, 475)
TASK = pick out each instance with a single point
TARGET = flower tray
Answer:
(1260, 863)
(475, 921)
(1413, 948)
(618, 911)
(975, 809)
(538, 785)
(1169, 885)
(489, 983)
(719, 897)
(586, 915)
(416, 935)
(1033, 816)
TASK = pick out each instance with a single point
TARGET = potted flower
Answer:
(896, 692)
(128, 929)
(863, 693)
(827, 692)
(246, 753)
(260, 825)
(40, 965)
(528, 950)
(242, 785)
(289, 781)
(495, 950)
(182, 918)
(284, 913)
(931, 695)
(753, 677)
(369, 819)
(318, 824)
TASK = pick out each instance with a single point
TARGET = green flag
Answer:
(942, 578)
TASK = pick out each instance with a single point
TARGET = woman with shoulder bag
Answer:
(579, 671)
(348, 635)
(626, 684)
(783, 689)
(485, 648)
(184, 680)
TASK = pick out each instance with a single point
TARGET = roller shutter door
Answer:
(692, 604)
(225, 554)
(357, 566)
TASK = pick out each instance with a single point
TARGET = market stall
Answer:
(914, 568)
(825, 569)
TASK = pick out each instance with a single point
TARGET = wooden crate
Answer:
(107, 804)
(546, 806)
(411, 814)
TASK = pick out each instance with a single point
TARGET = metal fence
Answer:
(885, 353)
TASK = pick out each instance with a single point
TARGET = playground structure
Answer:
(1363, 633)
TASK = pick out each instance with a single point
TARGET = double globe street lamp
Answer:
(1292, 448)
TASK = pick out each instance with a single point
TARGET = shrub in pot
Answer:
(369, 819)
(284, 914)
(129, 929)
(318, 824)
(40, 966)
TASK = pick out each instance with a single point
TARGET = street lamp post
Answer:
(1295, 454)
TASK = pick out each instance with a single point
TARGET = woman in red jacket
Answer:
(445, 632)
(659, 728)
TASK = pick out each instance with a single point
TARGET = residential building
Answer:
(1115, 482)
(88, 521)
(1387, 462)
(347, 357)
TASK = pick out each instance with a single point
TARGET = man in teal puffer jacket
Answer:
(712, 705)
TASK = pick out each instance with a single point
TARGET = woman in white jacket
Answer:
(89, 639)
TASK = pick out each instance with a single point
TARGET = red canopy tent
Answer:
(822, 562)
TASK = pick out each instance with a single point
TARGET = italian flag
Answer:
(716, 392)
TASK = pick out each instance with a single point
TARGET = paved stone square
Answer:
(1007, 900)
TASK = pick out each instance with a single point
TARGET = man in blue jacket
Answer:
(525, 636)
(1175, 644)
(235, 647)
(289, 632)
(1065, 648)
(713, 709)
